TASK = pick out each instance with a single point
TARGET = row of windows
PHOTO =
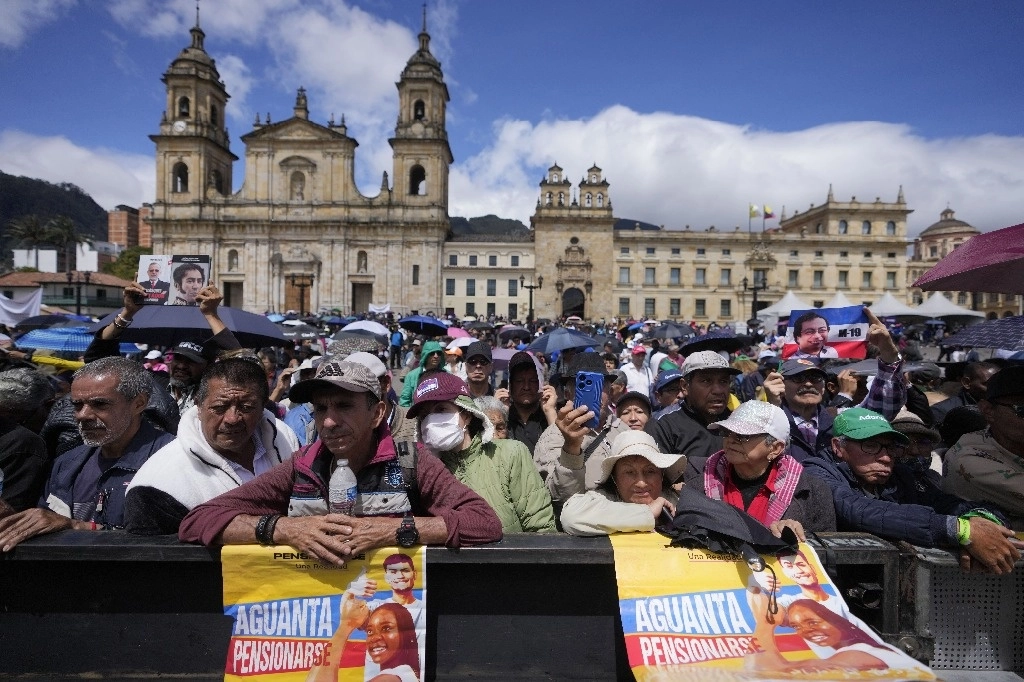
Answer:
(491, 310)
(795, 253)
(865, 227)
(700, 308)
(492, 261)
(185, 110)
(675, 250)
(588, 199)
(700, 276)
(492, 287)
(843, 280)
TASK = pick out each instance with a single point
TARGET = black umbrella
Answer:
(382, 341)
(478, 324)
(560, 339)
(1005, 333)
(672, 330)
(511, 331)
(299, 331)
(716, 341)
(160, 325)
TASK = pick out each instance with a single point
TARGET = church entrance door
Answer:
(573, 302)
(362, 296)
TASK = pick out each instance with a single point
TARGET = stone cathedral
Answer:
(299, 234)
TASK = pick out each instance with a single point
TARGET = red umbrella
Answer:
(990, 262)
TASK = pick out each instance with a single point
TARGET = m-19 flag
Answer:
(826, 333)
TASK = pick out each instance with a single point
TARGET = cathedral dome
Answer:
(948, 225)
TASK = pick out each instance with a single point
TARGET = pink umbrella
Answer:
(457, 333)
(990, 262)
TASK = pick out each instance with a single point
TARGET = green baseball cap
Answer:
(858, 423)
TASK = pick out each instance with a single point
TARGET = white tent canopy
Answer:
(839, 301)
(938, 305)
(784, 306)
(888, 306)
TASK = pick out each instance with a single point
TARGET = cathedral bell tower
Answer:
(193, 158)
(420, 146)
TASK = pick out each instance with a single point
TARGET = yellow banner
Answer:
(298, 619)
(692, 614)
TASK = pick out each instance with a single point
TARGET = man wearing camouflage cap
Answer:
(405, 498)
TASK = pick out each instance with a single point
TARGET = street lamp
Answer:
(301, 282)
(78, 279)
(530, 288)
(753, 321)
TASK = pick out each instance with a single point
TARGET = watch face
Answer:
(407, 535)
(179, 126)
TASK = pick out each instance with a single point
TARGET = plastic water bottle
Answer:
(341, 495)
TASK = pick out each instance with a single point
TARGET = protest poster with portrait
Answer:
(827, 333)
(691, 614)
(296, 618)
(154, 276)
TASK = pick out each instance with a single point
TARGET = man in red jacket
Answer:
(403, 499)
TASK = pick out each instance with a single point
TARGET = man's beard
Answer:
(112, 433)
(180, 384)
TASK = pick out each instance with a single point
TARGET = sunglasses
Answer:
(740, 437)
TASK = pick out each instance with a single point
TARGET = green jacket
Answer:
(502, 473)
(412, 378)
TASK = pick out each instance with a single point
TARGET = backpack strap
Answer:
(407, 455)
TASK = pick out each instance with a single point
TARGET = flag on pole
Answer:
(754, 211)
(768, 212)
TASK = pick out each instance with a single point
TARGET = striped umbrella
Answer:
(66, 339)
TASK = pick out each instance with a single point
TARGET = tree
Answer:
(63, 234)
(26, 232)
(127, 264)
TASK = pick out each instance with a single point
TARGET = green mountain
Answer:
(20, 196)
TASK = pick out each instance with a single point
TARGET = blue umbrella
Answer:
(423, 324)
(166, 325)
(560, 339)
(275, 317)
(66, 339)
(333, 319)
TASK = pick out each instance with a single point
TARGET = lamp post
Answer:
(301, 282)
(78, 279)
(753, 321)
(530, 288)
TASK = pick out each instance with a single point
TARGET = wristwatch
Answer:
(407, 535)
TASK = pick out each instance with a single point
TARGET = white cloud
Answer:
(238, 81)
(22, 17)
(677, 170)
(111, 177)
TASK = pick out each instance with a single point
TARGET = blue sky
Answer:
(692, 109)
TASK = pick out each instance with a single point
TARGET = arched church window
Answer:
(561, 198)
(547, 199)
(417, 181)
(179, 175)
(843, 227)
(297, 187)
(214, 115)
(361, 262)
(232, 260)
(587, 200)
(554, 177)
(217, 181)
(865, 227)
(600, 200)
(419, 110)
(819, 229)
(593, 178)
(184, 107)
(890, 228)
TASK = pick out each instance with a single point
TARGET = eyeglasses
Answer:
(740, 437)
(820, 331)
(873, 447)
(1016, 409)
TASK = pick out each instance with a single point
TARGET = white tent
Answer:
(784, 306)
(888, 306)
(838, 301)
(938, 305)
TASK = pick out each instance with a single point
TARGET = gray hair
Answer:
(23, 391)
(132, 378)
(772, 440)
(488, 404)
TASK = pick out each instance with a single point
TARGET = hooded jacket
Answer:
(412, 378)
(188, 471)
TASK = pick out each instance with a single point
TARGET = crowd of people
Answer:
(221, 444)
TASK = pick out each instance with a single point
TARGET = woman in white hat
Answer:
(756, 473)
(631, 494)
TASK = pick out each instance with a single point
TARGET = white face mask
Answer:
(442, 431)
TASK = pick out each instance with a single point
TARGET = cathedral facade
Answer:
(299, 234)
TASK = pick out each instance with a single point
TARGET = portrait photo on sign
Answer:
(189, 274)
(827, 333)
(154, 276)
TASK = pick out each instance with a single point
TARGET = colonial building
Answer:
(603, 267)
(484, 273)
(299, 234)
(936, 242)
